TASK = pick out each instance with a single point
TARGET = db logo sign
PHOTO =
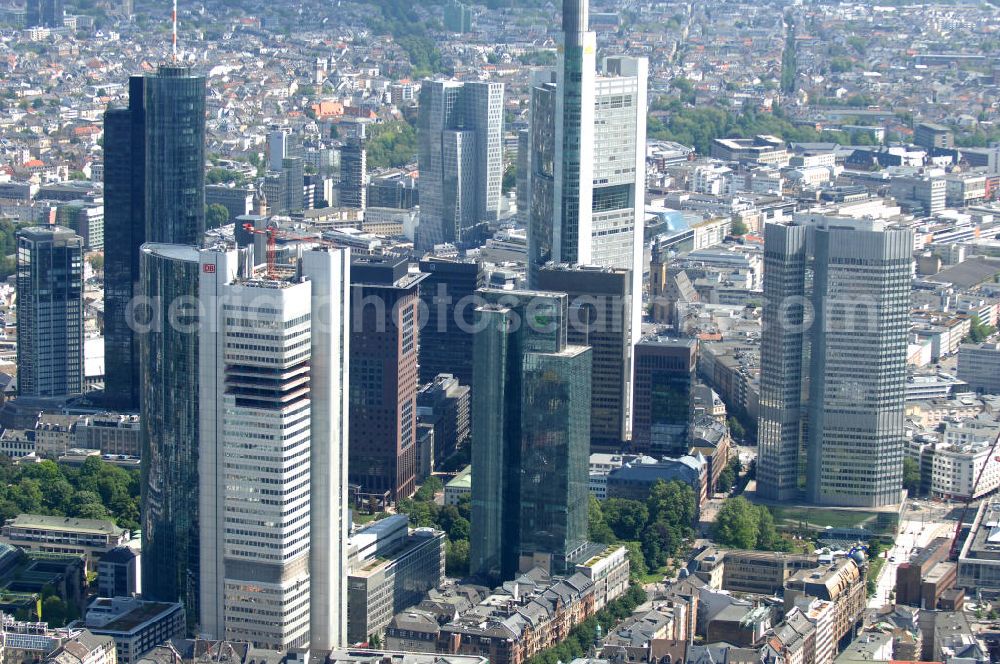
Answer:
(208, 268)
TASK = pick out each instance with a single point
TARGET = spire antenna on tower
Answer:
(174, 19)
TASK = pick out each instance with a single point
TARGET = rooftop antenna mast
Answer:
(174, 19)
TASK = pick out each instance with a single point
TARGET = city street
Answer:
(919, 527)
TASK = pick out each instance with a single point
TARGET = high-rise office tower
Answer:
(384, 377)
(273, 357)
(833, 360)
(663, 408)
(168, 344)
(294, 171)
(445, 341)
(587, 146)
(600, 316)
(281, 143)
(523, 169)
(530, 423)
(460, 155)
(174, 107)
(175, 155)
(354, 171)
(124, 233)
(49, 286)
(44, 14)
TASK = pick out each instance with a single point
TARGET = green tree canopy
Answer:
(216, 215)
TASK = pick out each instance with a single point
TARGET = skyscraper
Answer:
(124, 233)
(460, 154)
(530, 424)
(49, 311)
(354, 171)
(587, 145)
(44, 14)
(174, 108)
(175, 155)
(168, 338)
(663, 409)
(384, 377)
(833, 360)
(600, 316)
(273, 357)
(445, 342)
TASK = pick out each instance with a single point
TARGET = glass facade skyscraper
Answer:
(664, 377)
(384, 377)
(174, 222)
(531, 426)
(49, 286)
(445, 347)
(587, 146)
(555, 452)
(124, 233)
(600, 312)
(168, 336)
(154, 188)
(175, 155)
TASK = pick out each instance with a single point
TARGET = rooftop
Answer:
(64, 524)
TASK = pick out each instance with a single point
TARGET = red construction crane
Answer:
(968, 501)
(273, 233)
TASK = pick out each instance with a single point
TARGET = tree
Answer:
(738, 227)
(626, 518)
(54, 611)
(636, 560)
(96, 262)
(659, 541)
(767, 536)
(457, 558)
(735, 428)
(216, 215)
(725, 482)
(431, 486)
(737, 524)
(391, 145)
(911, 476)
(220, 175)
(598, 529)
(672, 502)
(978, 331)
(509, 178)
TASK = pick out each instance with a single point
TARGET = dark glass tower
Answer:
(664, 376)
(49, 311)
(175, 156)
(124, 233)
(44, 13)
(531, 427)
(445, 343)
(174, 103)
(169, 395)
